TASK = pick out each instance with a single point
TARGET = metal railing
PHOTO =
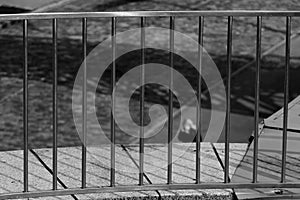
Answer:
(169, 185)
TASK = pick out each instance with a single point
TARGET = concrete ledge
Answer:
(98, 170)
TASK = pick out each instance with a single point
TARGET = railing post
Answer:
(142, 99)
(170, 113)
(113, 83)
(257, 88)
(227, 130)
(25, 103)
(198, 117)
(54, 101)
(286, 97)
(84, 102)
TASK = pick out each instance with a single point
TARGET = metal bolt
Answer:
(278, 191)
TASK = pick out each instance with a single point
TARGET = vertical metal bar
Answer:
(227, 130)
(54, 103)
(286, 97)
(25, 102)
(113, 83)
(257, 86)
(142, 99)
(84, 105)
(198, 124)
(170, 121)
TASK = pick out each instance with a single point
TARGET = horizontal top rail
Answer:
(62, 15)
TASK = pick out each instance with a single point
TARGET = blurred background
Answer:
(70, 58)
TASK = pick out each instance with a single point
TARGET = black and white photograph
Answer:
(149, 99)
